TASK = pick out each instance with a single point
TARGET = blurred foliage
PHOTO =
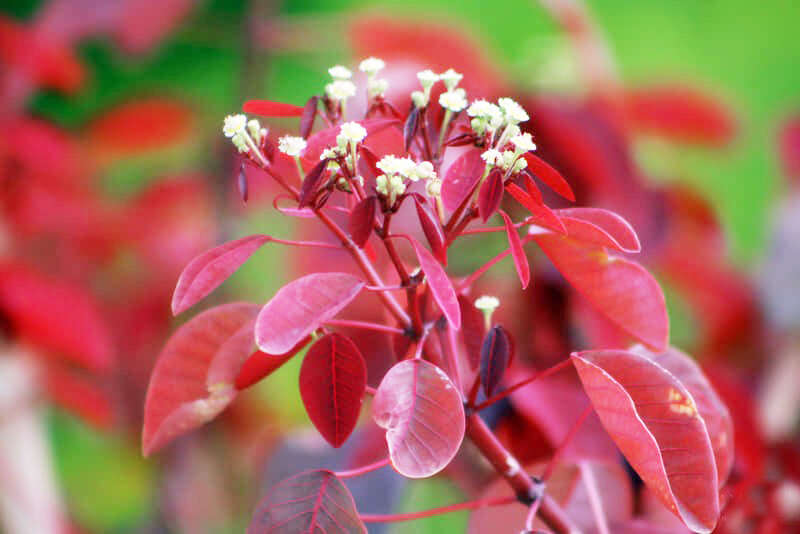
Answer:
(431, 493)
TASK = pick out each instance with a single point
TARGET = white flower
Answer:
(486, 115)
(390, 186)
(392, 165)
(255, 130)
(340, 90)
(291, 146)
(454, 100)
(371, 66)
(487, 303)
(234, 124)
(523, 143)
(492, 157)
(382, 185)
(424, 171)
(419, 98)
(377, 87)
(338, 72)
(331, 153)
(514, 114)
(427, 78)
(433, 187)
(450, 78)
(239, 140)
(354, 132)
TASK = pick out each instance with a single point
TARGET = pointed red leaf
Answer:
(472, 329)
(440, 284)
(299, 307)
(267, 108)
(311, 183)
(711, 408)
(423, 416)
(410, 127)
(541, 215)
(495, 357)
(543, 171)
(654, 421)
(432, 230)
(461, 178)
(619, 288)
(308, 116)
(327, 137)
(362, 220)
(332, 383)
(192, 381)
(600, 227)
(308, 503)
(208, 270)
(260, 365)
(490, 194)
(367, 163)
(517, 252)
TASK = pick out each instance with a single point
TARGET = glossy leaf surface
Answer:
(517, 252)
(260, 365)
(362, 220)
(268, 108)
(600, 227)
(540, 215)
(543, 171)
(461, 177)
(495, 357)
(472, 330)
(440, 284)
(490, 194)
(432, 230)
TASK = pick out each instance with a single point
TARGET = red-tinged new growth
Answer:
(353, 175)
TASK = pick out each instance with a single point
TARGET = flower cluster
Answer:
(244, 134)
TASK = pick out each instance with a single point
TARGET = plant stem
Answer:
(470, 505)
(363, 470)
(536, 376)
(565, 443)
(365, 325)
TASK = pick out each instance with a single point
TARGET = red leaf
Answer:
(308, 116)
(193, 379)
(327, 137)
(311, 183)
(410, 127)
(313, 501)
(654, 421)
(207, 271)
(461, 178)
(362, 221)
(541, 215)
(267, 108)
(543, 171)
(517, 252)
(84, 395)
(332, 383)
(300, 307)
(599, 227)
(260, 365)
(432, 230)
(490, 194)
(495, 357)
(619, 288)
(440, 284)
(709, 405)
(423, 416)
(472, 329)
(367, 163)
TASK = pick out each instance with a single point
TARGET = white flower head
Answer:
(487, 303)
(392, 165)
(254, 128)
(377, 87)
(371, 66)
(454, 100)
(239, 140)
(433, 187)
(331, 153)
(234, 124)
(353, 131)
(513, 112)
(523, 143)
(451, 78)
(339, 72)
(492, 157)
(486, 115)
(424, 171)
(427, 78)
(340, 90)
(419, 98)
(291, 145)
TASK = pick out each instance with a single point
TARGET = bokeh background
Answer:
(115, 173)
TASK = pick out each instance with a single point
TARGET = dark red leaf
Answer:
(440, 284)
(332, 383)
(532, 188)
(541, 215)
(472, 329)
(461, 178)
(208, 270)
(423, 416)
(311, 183)
(432, 230)
(193, 379)
(367, 163)
(655, 422)
(327, 137)
(362, 220)
(410, 127)
(620, 289)
(308, 116)
(495, 357)
(241, 183)
(267, 108)
(543, 171)
(517, 252)
(311, 502)
(461, 140)
(490, 194)
(300, 307)
(260, 365)
(599, 227)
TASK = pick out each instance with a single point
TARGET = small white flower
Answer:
(255, 130)
(514, 113)
(487, 303)
(234, 124)
(523, 143)
(377, 87)
(340, 90)
(339, 72)
(450, 78)
(520, 165)
(371, 66)
(427, 78)
(433, 187)
(492, 157)
(419, 98)
(382, 185)
(353, 131)
(331, 153)
(486, 115)
(454, 100)
(393, 165)
(291, 146)
(239, 140)
(424, 171)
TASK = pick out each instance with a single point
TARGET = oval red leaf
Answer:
(541, 215)
(472, 330)
(495, 357)
(208, 270)
(260, 365)
(423, 416)
(440, 284)
(268, 108)
(299, 307)
(432, 230)
(332, 383)
(311, 502)
(362, 221)
(620, 289)
(654, 421)
(543, 171)
(600, 227)
(193, 379)
(517, 252)
(711, 408)
(461, 178)
(490, 194)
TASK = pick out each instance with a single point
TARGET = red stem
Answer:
(536, 376)
(363, 470)
(565, 443)
(470, 505)
(364, 325)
